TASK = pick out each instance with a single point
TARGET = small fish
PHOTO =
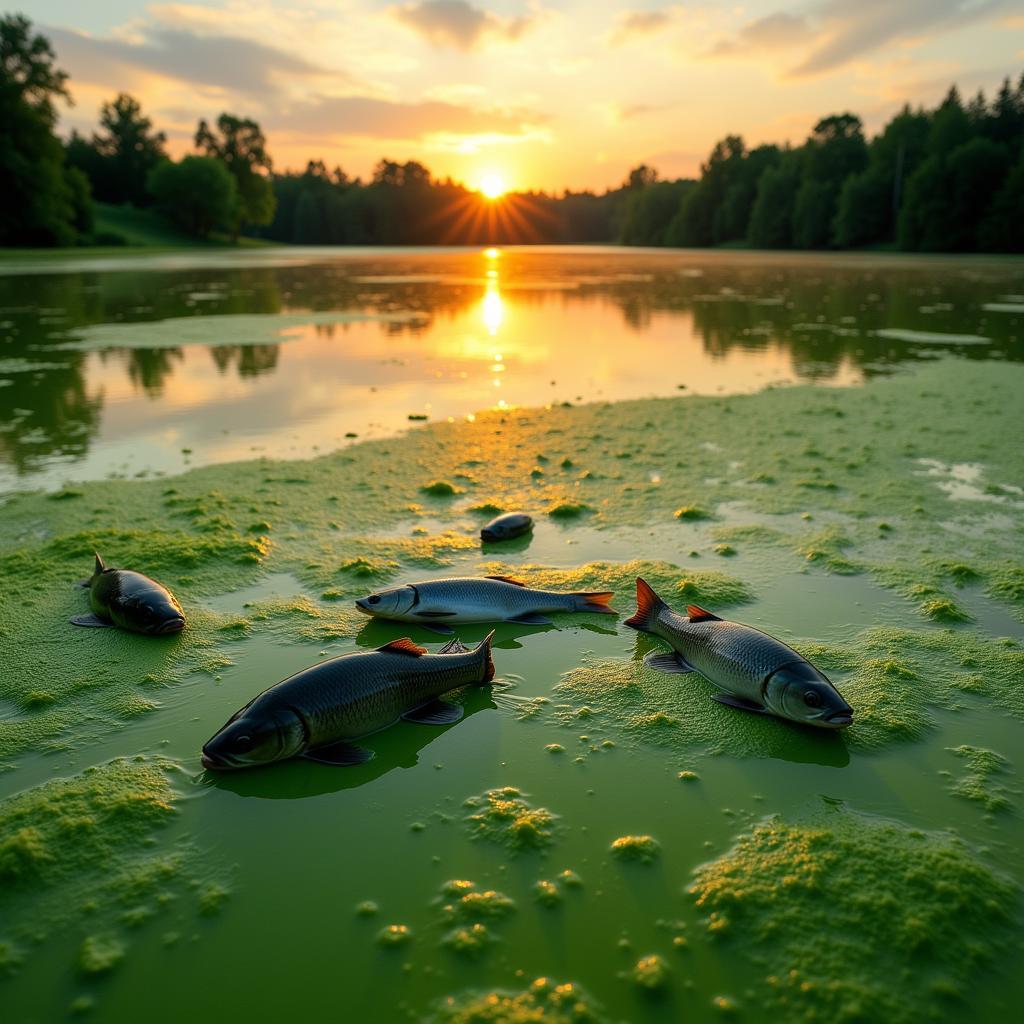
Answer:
(507, 526)
(120, 597)
(755, 671)
(435, 603)
(317, 712)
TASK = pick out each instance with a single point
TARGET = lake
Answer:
(825, 447)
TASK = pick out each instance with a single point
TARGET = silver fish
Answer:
(755, 671)
(435, 603)
(317, 712)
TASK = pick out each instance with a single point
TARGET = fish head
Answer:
(253, 738)
(389, 604)
(799, 692)
(156, 614)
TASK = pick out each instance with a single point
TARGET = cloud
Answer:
(339, 116)
(458, 24)
(226, 62)
(631, 24)
(837, 31)
(771, 32)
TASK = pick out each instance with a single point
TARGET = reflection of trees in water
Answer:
(248, 360)
(149, 367)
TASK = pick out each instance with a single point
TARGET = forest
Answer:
(950, 179)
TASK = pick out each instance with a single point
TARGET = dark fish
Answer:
(755, 671)
(435, 603)
(317, 712)
(120, 597)
(507, 526)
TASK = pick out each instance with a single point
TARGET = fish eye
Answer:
(375, 599)
(812, 699)
(242, 743)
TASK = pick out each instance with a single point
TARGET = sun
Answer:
(492, 186)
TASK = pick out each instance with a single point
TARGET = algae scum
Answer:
(594, 841)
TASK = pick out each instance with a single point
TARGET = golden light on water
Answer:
(492, 253)
(492, 309)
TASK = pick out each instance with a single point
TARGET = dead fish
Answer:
(435, 603)
(317, 712)
(755, 671)
(120, 597)
(507, 526)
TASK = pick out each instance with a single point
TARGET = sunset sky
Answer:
(534, 93)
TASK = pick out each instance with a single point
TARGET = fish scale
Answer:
(356, 694)
(726, 652)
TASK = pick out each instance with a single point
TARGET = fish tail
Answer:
(594, 601)
(484, 648)
(648, 607)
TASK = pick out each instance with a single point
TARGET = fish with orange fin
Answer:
(753, 671)
(318, 712)
(435, 604)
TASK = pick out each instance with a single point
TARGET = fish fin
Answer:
(340, 753)
(671, 662)
(435, 712)
(506, 579)
(698, 614)
(530, 619)
(595, 601)
(436, 627)
(485, 646)
(100, 567)
(648, 607)
(90, 620)
(430, 614)
(738, 702)
(404, 646)
(454, 646)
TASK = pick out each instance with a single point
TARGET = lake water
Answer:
(140, 365)
(145, 364)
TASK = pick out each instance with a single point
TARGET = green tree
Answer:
(1001, 230)
(695, 221)
(42, 201)
(198, 193)
(648, 212)
(864, 213)
(240, 145)
(771, 219)
(129, 149)
(835, 150)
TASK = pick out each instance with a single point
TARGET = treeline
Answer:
(949, 179)
(945, 180)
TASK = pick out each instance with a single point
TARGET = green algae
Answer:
(670, 581)
(394, 935)
(643, 849)
(487, 904)
(100, 953)
(543, 1002)
(651, 973)
(67, 825)
(691, 513)
(980, 783)
(468, 940)
(441, 489)
(547, 893)
(901, 918)
(505, 816)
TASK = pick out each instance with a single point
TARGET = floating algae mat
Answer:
(594, 841)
